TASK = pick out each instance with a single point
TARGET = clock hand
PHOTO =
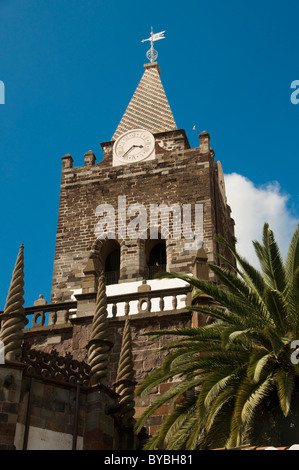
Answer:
(133, 146)
(128, 150)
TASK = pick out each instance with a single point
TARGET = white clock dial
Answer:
(134, 146)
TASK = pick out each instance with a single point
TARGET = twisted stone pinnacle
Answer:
(125, 382)
(99, 345)
(14, 318)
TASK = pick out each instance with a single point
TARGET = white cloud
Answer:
(251, 207)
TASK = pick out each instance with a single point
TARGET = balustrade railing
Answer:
(154, 301)
(137, 303)
(50, 314)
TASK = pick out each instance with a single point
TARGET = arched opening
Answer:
(111, 261)
(156, 257)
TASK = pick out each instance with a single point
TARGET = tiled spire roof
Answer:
(149, 108)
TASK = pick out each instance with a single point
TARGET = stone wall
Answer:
(39, 413)
(51, 416)
(178, 175)
(10, 398)
(146, 354)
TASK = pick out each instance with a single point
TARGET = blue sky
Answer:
(70, 68)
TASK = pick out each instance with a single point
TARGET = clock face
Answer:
(134, 146)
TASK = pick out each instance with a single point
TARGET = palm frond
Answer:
(239, 365)
(248, 397)
(257, 363)
(245, 270)
(175, 427)
(278, 308)
(175, 391)
(285, 380)
(292, 258)
(292, 299)
(270, 260)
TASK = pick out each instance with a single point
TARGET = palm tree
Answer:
(236, 379)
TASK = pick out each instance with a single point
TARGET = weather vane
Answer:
(152, 54)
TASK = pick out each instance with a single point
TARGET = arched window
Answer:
(111, 259)
(156, 258)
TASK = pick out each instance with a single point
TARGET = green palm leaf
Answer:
(270, 260)
(285, 380)
(174, 392)
(238, 368)
(292, 259)
(257, 363)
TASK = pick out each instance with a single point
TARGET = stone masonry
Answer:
(178, 175)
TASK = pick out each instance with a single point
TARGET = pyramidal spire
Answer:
(149, 107)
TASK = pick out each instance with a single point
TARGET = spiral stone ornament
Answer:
(13, 319)
(99, 345)
(125, 382)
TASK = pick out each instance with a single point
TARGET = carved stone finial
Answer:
(125, 382)
(13, 317)
(99, 345)
(40, 300)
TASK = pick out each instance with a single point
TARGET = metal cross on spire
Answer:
(152, 54)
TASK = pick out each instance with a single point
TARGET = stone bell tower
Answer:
(125, 214)
(150, 203)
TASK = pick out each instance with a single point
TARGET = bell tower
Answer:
(151, 191)
(150, 204)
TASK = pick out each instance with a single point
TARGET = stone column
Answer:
(13, 318)
(99, 344)
(200, 265)
(200, 271)
(125, 388)
(90, 279)
(125, 382)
